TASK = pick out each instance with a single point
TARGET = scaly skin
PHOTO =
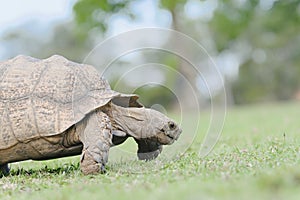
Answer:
(149, 128)
(54, 108)
(96, 139)
(93, 136)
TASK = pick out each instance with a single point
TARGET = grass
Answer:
(257, 157)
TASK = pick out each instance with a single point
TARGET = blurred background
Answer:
(254, 43)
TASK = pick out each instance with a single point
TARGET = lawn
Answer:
(256, 157)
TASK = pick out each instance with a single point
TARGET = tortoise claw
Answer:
(102, 169)
(88, 165)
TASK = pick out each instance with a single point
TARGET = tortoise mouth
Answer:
(171, 137)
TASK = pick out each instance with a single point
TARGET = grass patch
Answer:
(257, 157)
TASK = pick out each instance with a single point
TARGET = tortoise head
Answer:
(160, 128)
(145, 123)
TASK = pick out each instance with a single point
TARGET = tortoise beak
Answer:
(178, 134)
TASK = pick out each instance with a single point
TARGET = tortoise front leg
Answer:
(96, 139)
(4, 169)
(148, 149)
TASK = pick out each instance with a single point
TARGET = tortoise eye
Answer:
(171, 125)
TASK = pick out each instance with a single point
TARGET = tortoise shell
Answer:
(41, 98)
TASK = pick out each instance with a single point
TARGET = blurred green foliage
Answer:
(62, 40)
(151, 95)
(276, 33)
(230, 21)
(94, 14)
(263, 35)
(271, 30)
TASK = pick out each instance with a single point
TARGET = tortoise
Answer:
(52, 108)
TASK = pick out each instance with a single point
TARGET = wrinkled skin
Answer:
(149, 128)
(106, 127)
(54, 108)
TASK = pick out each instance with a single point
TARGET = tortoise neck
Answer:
(130, 120)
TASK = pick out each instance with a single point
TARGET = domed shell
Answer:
(40, 98)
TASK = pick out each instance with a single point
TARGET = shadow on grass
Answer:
(65, 169)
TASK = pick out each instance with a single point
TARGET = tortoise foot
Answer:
(89, 166)
(147, 149)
